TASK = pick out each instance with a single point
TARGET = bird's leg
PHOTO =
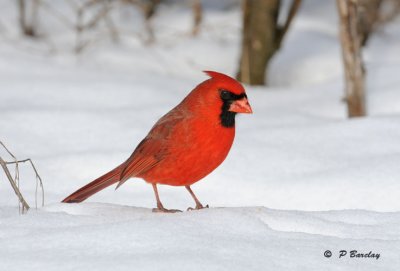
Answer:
(160, 208)
(198, 203)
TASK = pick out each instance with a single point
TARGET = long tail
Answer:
(99, 184)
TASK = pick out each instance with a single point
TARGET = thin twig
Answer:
(15, 182)
(25, 206)
(38, 178)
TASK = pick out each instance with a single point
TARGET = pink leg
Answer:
(160, 208)
(198, 204)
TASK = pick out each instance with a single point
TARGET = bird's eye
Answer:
(226, 95)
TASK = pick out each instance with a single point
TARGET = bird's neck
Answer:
(227, 117)
(210, 110)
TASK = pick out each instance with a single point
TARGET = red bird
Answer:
(186, 144)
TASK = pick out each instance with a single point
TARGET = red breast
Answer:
(193, 137)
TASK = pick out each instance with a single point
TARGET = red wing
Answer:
(153, 149)
(147, 155)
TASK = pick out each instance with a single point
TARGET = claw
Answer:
(198, 207)
(163, 210)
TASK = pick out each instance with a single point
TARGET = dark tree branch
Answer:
(284, 29)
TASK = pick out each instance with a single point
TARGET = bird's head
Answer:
(228, 95)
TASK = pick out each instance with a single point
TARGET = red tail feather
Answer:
(99, 184)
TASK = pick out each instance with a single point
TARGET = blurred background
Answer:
(82, 81)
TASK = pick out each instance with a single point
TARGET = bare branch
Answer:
(25, 206)
(284, 29)
(197, 16)
(149, 9)
(100, 15)
(15, 182)
(390, 12)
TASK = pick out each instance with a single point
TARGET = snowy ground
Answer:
(301, 178)
(94, 236)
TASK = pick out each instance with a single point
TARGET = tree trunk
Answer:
(260, 20)
(262, 37)
(352, 58)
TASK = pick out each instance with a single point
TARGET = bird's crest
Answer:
(218, 75)
(231, 83)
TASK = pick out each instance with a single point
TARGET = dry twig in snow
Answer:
(24, 207)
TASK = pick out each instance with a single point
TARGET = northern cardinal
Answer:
(185, 145)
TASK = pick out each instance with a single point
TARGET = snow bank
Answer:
(103, 236)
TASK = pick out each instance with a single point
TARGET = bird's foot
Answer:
(163, 210)
(198, 207)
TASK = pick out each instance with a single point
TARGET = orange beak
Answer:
(241, 106)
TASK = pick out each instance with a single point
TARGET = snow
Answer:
(106, 236)
(300, 179)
